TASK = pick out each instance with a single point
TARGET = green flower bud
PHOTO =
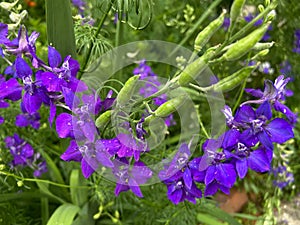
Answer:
(241, 47)
(103, 119)
(193, 70)
(204, 36)
(235, 12)
(127, 90)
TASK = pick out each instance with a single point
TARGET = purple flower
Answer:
(178, 176)
(274, 93)
(296, 48)
(35, 93)
(285, 68)
(226, 23)
(80, 5)
(26, 119)
(81, 125)
(60, 74)
(130, 147)
(89, 154)
(244, 156)
(3, 34)
(21, 151)
(130, 178)
(282, 177)
(1, 120)
(256, 127)
(219, 173)
(23, 45)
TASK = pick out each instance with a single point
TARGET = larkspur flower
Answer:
(296, 48)
(243, 156)
(282, 176)
(22, 45)
(89, 155)
(35, 93)
(130, 177)
(258, 126)
(218, 173)
(178, 176)
(274, 93)
(81, 124)
(21, 151)
(25, 119)
(60, 74)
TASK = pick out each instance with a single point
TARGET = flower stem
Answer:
(91, 42)
(196, 25)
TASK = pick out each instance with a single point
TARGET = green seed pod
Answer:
(193, 70)
(261, 54)
(241, 47)
(204, 36)
(235, 12)
(127, 90)
(262, 46)
(169, 107)
(103, 119)
(233, 80)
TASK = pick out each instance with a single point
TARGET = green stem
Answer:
(39, 180)
(91, 42)
(45, 210)
(118, 41)
(197, 25)
(240, 96)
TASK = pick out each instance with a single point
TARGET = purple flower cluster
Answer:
(282, 177)
(296, 48)
(248, 144)
(35, 82)
(151, 86)
(24, 155)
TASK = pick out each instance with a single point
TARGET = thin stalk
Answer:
(118, 41)
(45, 210)
(240, 96)
(96, 34)
(197, 25)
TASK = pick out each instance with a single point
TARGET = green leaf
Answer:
(44, 189)
(64, 215)
(60, 28)
(218, 213)
(208, 220)
(54, 171)
(78, 195)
